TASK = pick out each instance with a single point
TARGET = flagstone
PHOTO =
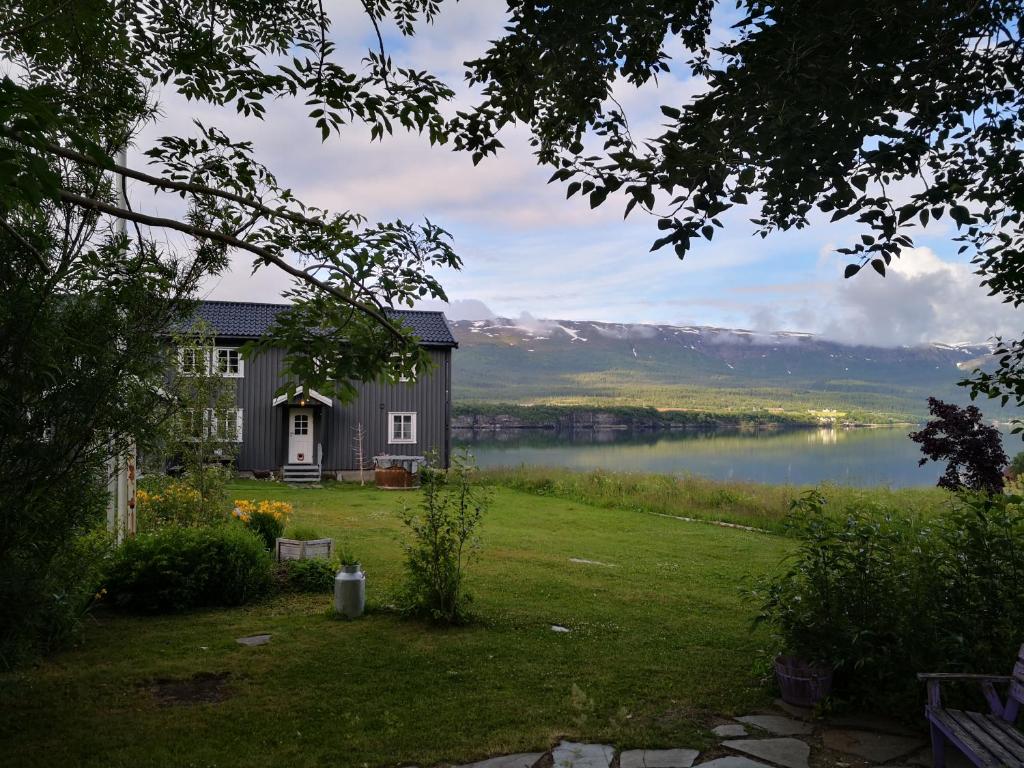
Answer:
(863, 722)
(875, 747)
(791, 753)
(522, 760)
(734, 761)
(729, 731)
(569, 754)
(801, 713)
(777, 724)
(253, 640)
(658, 758)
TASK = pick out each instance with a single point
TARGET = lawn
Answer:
(660, 641)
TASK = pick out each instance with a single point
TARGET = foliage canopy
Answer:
(891, 114)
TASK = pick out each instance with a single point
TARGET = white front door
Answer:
(300, 436)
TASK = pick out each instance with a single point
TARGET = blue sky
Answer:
(526, 249)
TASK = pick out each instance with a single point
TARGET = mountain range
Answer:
(703, 368)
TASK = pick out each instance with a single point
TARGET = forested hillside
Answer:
(702, 368)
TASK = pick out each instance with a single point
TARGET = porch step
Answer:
(300, 473)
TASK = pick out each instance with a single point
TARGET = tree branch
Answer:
(58, 8)
(268, 256)
(26, 244)
(157, 181)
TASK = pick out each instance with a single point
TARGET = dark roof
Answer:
(250, 320)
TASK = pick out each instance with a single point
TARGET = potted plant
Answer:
(350, 587)
(303, 544)
(803, 607)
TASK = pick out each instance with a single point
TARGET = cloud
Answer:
(923, 298)
(626, 331)
(459, 309)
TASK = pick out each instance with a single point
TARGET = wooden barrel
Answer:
(394, 477)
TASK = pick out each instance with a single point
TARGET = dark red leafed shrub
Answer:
(973, 450)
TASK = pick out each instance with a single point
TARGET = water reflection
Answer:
(859, 457)
(824, 436)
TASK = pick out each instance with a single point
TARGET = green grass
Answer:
(751, 504)
(660, 640)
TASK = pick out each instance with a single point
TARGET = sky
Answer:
(528, 250)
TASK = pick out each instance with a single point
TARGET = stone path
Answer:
(784, 737)
(253, 640)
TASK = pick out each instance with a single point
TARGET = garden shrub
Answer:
(881, 596)
(48, 578)
(164, 501)
(267, 519)
(1016, 468)
(444, 540)
(304, 533)
(176, 569)
(310, 575)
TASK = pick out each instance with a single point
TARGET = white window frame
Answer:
(393, 420)
(181, 360)
(213, 422)
(211, 426)
(189, 415)
(215, 362)
(402, 378)
(211, 360)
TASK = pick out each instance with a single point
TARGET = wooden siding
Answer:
(264, 436)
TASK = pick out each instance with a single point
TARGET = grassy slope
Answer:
(657, 642)
(750, 504)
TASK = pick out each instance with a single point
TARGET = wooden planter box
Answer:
(296, 549)
(395, 477)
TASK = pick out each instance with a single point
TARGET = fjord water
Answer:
(857, 457)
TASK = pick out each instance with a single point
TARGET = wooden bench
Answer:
(988, 741)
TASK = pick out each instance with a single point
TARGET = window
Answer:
(190, 361)
(300, 424)
(193, 423)
(226, 361)
(226, 424)
(229, 362)
(401, 427)
(396, 374)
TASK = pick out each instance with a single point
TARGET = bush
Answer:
(312, 575)
(50, 572)
(1016, 468)
(177, 569)
(164, 501)
(880, 596)
(266, 519)
(443, 542)
(304, 533)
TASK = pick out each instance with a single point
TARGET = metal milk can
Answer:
(350, 591)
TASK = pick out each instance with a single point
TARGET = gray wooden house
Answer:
(311, 434)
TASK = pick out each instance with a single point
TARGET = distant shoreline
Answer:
(495, 417)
